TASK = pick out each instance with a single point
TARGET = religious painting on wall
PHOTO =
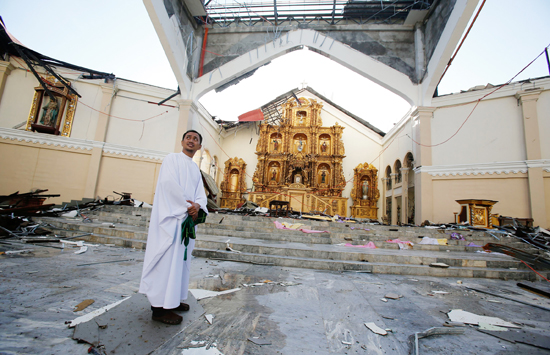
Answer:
(52, 109)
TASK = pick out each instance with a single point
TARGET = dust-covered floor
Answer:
(277, 310)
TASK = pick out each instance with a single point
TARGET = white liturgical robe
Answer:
(165, 277)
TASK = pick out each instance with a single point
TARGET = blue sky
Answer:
(118, 37)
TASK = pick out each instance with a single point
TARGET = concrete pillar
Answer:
(100, 135)
(5, 70)
(419, 51)
(383, 197)
(393, 178)
(185, 121)
(537, 198)
(405, 195)
(422, 132)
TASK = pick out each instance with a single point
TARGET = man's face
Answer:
(191, 142)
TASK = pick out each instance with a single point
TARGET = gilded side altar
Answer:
(365, 193)
(300, 161)
(233, 185)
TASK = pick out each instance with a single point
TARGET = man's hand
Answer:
(193, 211)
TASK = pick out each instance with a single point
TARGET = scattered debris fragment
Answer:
(393, 296)
(487, 326)
(536, 261)
(228, 248)
(209, 318)
(508, 298)
(82, 305)
(521, 336)
(413, 339)
(458, 315)
(369, 245)
(91, 315)
(535, 290)
(200, 294)
(375, 329)
(13, 252)
(440, 292)
(258, 341)
(441, 265)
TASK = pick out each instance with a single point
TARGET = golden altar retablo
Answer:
(300, 161)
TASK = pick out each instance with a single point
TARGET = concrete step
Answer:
(381, 268)
(343, 253)
(212, 228)
(259, 241)
(73, 225)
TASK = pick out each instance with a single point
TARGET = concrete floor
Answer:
(300, 311)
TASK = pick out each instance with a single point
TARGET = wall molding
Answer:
(510, 167)
(74, 143)
(45, 139)
(134, 152)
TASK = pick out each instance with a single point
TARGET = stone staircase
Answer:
(257, 240)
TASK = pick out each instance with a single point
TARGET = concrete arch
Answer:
(364, 65)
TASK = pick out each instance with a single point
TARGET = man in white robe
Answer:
(179, 194)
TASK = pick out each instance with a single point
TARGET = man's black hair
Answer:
(192, 130)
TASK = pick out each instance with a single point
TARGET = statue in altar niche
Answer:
(274, 174)
(234, 181)
(300, 145)
(49, 116)
(297, 179)
(324, 177)
(275, 144)
(365, 190)
(324, 147)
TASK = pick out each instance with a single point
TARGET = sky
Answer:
(118, 37)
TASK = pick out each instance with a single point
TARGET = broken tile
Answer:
(458, 315)
(375, 329)
(82, 305)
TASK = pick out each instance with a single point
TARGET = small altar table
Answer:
(279, 208)
(476, 212)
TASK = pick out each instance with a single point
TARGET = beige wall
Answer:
(123, 174)
(27, 166)
(510, 190)
(494, 132)
(543, 109)
(547, 193)
(487, 158)
(17, 97)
